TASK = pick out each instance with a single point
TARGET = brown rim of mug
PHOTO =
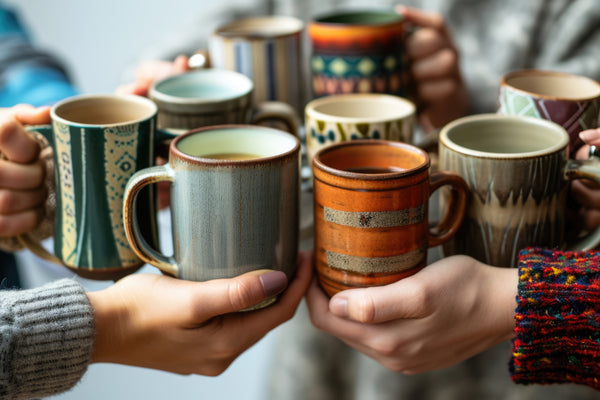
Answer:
(317, 163)
(216, 162)
(546, 73)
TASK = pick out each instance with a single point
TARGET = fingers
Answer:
(590, 137)
(421, 18)
(402, 299)
(15, 143)
(19, 223)
(21, 176)
(223, 296)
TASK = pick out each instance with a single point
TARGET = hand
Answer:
(150, 71)
(587, 193)
(186, 327)
(446, 313)
(440, 91)
(22, 173)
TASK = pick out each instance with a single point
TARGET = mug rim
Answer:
(231, 30)
(317, 163)
(174, 150)
(168, 99)
(311, 107)
(325, 19)
(131, 98)
(504, 82)
(450, 144)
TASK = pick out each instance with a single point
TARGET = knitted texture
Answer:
(46, 339)
(557, 318)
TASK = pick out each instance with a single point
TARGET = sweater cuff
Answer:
(557, 334)
(46, 340)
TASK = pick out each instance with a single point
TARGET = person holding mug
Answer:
(182, 326)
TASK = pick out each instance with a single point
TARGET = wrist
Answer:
(108, 317)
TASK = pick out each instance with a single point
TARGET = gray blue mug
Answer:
(99, 141)
(234, 203)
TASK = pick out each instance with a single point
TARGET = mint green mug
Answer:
(99, 141)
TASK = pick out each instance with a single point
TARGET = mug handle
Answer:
(584, 169)
(26, 240)
(457, 205)
(132, 228)
(276, 111)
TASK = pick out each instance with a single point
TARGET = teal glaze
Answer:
(362, 17)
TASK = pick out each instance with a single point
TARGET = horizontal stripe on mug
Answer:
(369, 265)
(376, 219)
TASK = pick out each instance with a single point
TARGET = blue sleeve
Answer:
(27, 74)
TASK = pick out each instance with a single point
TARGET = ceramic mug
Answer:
(213, 96)
(338, 118)
(572, 101)
(371, 212)
(359, 51)
(234, 203)
(518, 173)
(268, 50)
(99, 141)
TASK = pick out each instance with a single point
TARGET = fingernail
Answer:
(589, 134)
(273, 282)
(339, 306)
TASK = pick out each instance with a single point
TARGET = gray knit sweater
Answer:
(46, 339)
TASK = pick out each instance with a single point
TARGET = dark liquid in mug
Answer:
(231, 156)
(374, 170)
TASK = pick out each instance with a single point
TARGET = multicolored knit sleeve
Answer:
(557, 318)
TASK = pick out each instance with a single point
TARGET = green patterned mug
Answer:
(99, 141)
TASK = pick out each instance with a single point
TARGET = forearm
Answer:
(46, 339)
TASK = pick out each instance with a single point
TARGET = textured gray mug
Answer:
(229, 216)
(518, 173)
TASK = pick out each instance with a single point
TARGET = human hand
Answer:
(185, 327)
(585, 192)
(153, 70)
(22, 190)
(440, 91)
(445, 313)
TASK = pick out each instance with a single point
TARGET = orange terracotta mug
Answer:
(371, 212)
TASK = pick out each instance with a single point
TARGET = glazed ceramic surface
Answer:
(571, 101)
(339, 118)
(517, 171)
(372, 228)
(212, 96)
(99, 141)
(229, 216)
(359, 52)
(267, 50)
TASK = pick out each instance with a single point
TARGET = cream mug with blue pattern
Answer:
(342, 117)
(99, 141)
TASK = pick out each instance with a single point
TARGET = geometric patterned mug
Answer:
(98, 141)
(571, 101)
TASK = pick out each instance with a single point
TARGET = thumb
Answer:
(402, 299)
(235, 294)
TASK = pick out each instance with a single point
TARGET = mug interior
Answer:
(103, 110)
(360, 108)
(261, 27)
(554, 84)
(241, 139)
(206, 84)
(500, 136)
(366, 17)
(371, 158)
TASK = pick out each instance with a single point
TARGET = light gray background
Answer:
(101, 42)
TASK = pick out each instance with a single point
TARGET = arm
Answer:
(49, 335)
